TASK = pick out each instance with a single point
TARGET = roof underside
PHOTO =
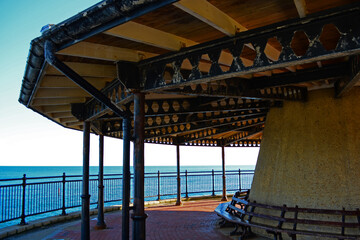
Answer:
(210, 69)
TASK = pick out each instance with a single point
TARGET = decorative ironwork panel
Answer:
(115, 92)
(248, 127)
(344, 21)
(235, 90)
(207, 128)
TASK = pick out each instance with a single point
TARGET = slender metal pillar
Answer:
(100, 219)
(85, 197)
(126, 179)
(139, 215)
(224, 197)
(178, 199)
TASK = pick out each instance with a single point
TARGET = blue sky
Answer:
(26, 138)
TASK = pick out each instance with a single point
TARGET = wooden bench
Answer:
(241, 211)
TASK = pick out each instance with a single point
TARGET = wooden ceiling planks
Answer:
(314, 6)
(180, 24)
(257, 13)
(114, 41)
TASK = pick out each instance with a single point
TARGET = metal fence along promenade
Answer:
(24, 197)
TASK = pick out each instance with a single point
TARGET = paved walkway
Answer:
(193, 220)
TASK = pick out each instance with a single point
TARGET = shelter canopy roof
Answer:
(210, 69)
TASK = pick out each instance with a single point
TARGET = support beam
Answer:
(56, 109)
(178, 178)
(301, 8)
(97, 127)
(331, 72)
(244, 138)
(57, 101)
(64, 82)
(139, 215)
(208, 13)
(345, 84)
(150, 36)
(75, 77)
(224, 197)
(100, 218)
(104, 52)
(291, 93)
(61, 93)
(68, 119)
(126, 180)
(85, 197)
(87, 70)
(62, 114)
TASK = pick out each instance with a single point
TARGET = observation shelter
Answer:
(281, 74)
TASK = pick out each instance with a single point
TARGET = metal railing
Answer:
(24, 197)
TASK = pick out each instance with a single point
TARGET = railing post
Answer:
(239, 180)
(158, 177)
(23, 202)
(224, 197)
(213, 183)
(186, 184)
(63, 196)
(178, 178)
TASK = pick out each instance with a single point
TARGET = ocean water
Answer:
(47, 197)
(7, 172)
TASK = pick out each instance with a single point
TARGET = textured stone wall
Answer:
(310, 153)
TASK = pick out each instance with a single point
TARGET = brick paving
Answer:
(193, 220)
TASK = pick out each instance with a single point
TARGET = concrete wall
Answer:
(310, 153)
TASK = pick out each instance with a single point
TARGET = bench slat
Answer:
(240, 201)
(307, 210)
(324, 223)
(237, 209)
(293, 232)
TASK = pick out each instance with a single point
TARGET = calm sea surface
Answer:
(19, 171)
(44, 197)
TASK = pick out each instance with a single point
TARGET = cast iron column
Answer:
(139, 215)
(126, 179)
(224, 197)
(178, 199)
(100, 219)
(85, 197)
